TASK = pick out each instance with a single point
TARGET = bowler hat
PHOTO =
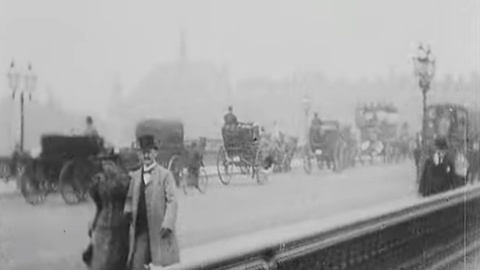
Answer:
(147, 142)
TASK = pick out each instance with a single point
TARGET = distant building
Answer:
(197, 93)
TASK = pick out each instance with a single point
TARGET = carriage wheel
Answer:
(307, 161)
(72, 178)
(260, 166)
(31, 183)
(176, 167)
(224, 167)
(202, 180)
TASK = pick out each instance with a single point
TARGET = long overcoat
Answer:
(162, 207)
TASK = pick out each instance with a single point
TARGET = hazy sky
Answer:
(77, 47)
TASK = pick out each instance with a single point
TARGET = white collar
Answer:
(149, 167)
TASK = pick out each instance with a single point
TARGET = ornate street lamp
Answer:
(29, 84)
(424, 70)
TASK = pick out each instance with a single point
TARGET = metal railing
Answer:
(418, 234)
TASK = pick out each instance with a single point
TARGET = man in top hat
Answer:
(151, 207)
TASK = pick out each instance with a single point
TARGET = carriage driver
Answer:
(316, 127)
(230, 119)
(90, 130)
(316, 122)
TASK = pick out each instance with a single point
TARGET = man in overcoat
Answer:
(230, 119)
(151, 206)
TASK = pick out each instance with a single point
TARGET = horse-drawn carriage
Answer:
(242, 148)
(185, 162)
(326, 147)
(65, 163)
(283, 151)
(378, 131)
(443, 162)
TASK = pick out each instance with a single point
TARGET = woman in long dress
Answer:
(108, 231)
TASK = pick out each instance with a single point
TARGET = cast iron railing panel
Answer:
(414, 237)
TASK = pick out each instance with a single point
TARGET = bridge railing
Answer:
(411, 234)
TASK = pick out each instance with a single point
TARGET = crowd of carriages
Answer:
(67, 163)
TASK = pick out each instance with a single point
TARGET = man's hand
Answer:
(165, 232)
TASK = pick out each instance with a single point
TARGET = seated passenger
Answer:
(230, 119)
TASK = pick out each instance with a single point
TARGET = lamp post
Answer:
(29, 79)
(424, 71)
(306, 107)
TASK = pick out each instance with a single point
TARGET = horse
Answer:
(290, 145)
(270, 153)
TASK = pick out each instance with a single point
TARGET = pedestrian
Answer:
(151, 206)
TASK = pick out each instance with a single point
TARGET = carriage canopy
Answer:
(377, 122)
(68, 147)
(168, 135)
(166, 132)
(240, 136)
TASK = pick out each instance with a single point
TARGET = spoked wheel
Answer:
(176, 167)
(224, 167)
(31, 183)
(306, 159)
(202, 180)
(73, 179)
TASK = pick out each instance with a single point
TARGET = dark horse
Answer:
(108, 232)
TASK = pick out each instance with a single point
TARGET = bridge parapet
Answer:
(411, 234)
